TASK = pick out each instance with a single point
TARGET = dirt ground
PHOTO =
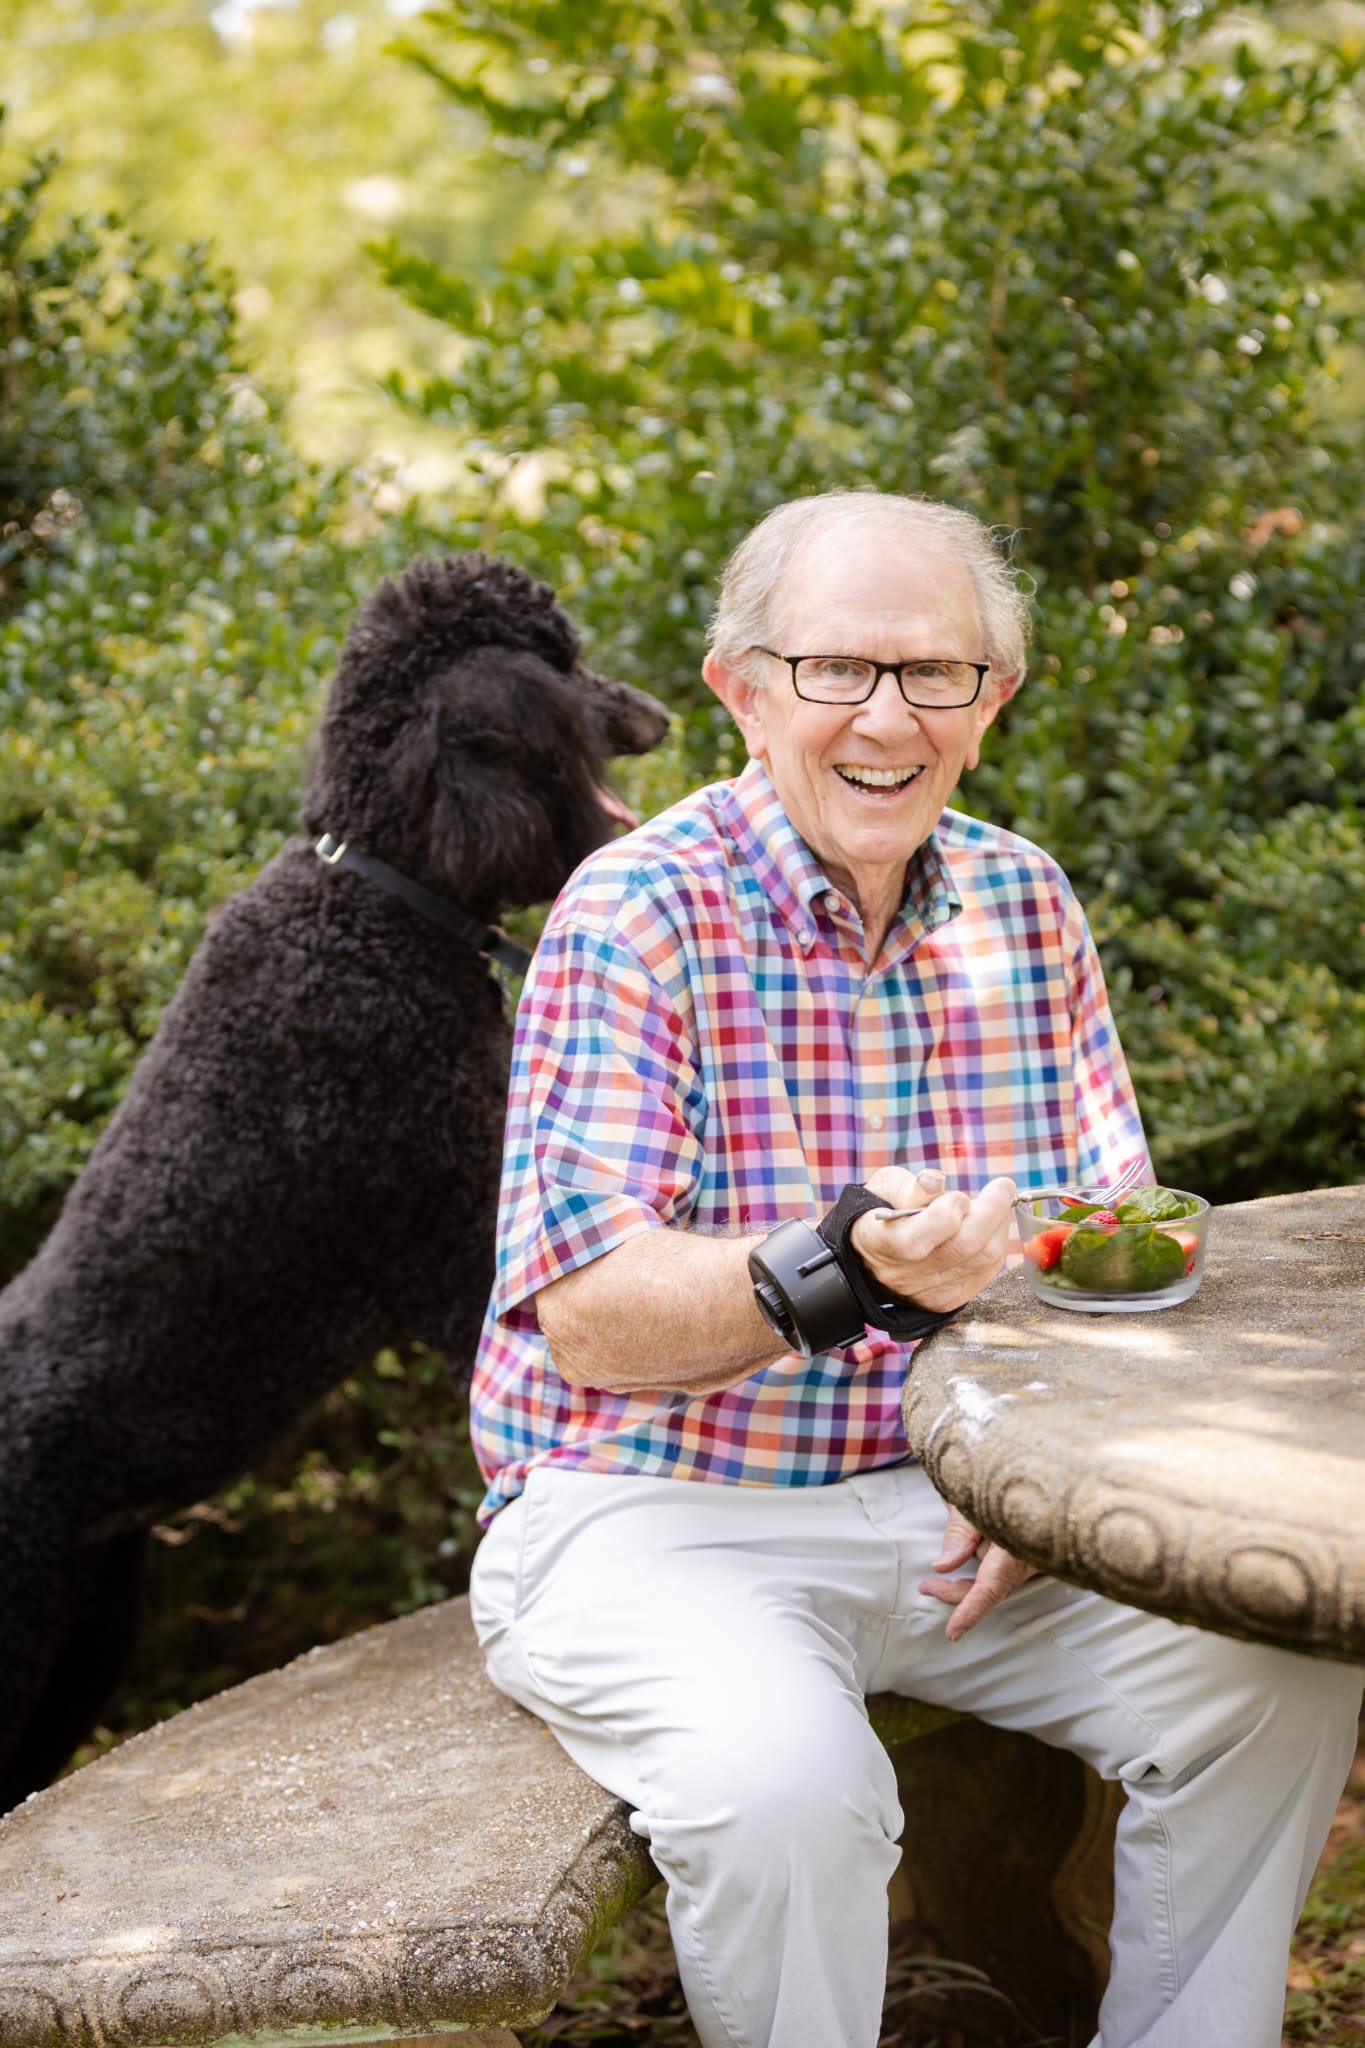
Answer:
(1326, 1999)
(629, 1993)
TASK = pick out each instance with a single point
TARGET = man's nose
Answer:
(886, 711)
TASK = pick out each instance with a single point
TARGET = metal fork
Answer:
(1129, 1178)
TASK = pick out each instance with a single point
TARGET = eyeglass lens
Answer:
(842, 679)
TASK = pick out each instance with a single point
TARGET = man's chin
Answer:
(891, 832)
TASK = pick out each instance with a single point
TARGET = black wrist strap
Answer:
(890, 1312)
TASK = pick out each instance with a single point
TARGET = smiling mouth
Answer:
(878, 781)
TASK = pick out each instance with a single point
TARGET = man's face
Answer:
(891, 597)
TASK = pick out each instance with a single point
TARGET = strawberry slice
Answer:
(1101, 1219)
(1045, 1249)
(1188, 1240)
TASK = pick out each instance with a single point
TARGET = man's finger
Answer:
(950, 1591)
(913, 1239)
(960, 1541)
(986, 1219)
(969, 1226)
(999, 1576)
(904, 1189)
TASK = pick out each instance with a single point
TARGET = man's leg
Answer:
(684, 1643)
(1233, 1757)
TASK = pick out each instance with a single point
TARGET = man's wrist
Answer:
(802, 1290)
(881, 1308)
(816, 1291)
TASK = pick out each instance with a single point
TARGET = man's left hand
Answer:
(997, 1575)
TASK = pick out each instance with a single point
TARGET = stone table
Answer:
(1206, 1462)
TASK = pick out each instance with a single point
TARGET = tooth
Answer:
(879, 778)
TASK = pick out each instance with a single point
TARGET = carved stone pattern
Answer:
(414, 1983)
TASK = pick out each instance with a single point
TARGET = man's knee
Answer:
(1311, 1702)
(766, 1792)
(1291, 1708)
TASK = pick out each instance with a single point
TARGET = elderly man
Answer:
(707, 1541)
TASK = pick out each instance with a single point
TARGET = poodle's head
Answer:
(465, 742)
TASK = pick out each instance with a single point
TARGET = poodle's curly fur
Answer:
(305, 1165)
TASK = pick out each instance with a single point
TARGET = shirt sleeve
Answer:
(606, 1114)
(1109, 1131)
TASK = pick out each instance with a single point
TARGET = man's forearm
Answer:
(666, 1309)
(671, 1308)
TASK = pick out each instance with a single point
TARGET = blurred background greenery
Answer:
(290, 292)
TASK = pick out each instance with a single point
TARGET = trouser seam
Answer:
(885, 1622)
(1171, 1970)
(1162, 1882)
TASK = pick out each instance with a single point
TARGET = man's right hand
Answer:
(948, 1250)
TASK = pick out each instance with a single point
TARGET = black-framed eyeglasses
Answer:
(849, 679)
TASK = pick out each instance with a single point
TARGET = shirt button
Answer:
(804, 939)
(875, 1122)
(834, 903)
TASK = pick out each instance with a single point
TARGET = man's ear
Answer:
(742, 699)
(985, 709)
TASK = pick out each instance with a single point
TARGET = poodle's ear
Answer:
(407, 770)
(489, 807)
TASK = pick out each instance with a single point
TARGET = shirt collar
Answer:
(788, 872)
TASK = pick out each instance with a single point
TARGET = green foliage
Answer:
(1326, 2002)
(1090, 270)
(283, 133)
(73, 418)
(1243, 1008)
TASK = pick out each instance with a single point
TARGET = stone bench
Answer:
(374, 1842)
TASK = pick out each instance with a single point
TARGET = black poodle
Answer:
(305, 1165)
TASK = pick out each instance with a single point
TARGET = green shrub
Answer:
(1091, 270)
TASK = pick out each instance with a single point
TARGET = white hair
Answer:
(758, 570)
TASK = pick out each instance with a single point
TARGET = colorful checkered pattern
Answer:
(700, 1044)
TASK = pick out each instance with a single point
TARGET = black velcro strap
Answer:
(902, 1319)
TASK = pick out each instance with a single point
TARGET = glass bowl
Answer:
(1113, 1267)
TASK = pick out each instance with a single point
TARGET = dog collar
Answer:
(488, 940)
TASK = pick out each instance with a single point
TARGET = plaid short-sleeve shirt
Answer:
(700, 1043)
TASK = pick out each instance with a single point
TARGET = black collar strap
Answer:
(486, 939)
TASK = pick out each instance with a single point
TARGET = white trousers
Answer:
(704, 1651)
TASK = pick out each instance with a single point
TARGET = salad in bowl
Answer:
(1146, 1252)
